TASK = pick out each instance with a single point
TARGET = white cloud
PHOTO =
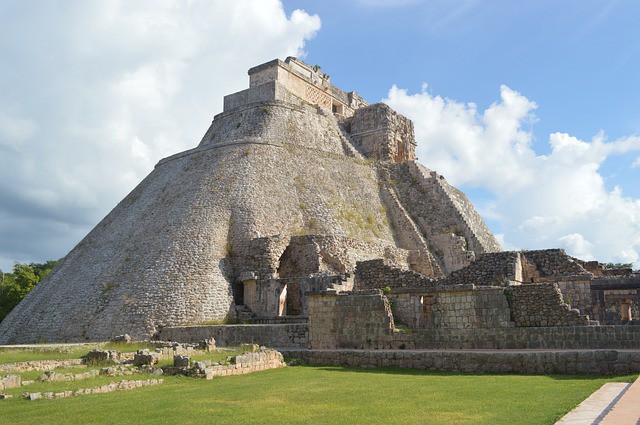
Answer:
(636, 163)
(93, 94)
(541, 201)
(469, 147)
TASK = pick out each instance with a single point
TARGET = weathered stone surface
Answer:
(362, 319)
(278, 163)
(121, 338)
(601, 362)
(100, 356)
(286, 335)
(112, 386)
(39, 365)
(146, 358)
(181, 361)
(10, 381)
(541, 304)
(257, 359)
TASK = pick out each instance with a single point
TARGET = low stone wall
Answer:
(247, 363)
(39, 365)
(112, 386)
(293, 335)
(593, 362)
(541, 304)
(556, 337)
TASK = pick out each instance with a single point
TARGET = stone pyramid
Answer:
(293, 183)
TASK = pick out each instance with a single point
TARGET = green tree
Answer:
(16, 285)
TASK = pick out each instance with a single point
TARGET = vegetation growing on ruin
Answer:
(327, 394)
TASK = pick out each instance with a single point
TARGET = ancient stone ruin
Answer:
(304, 212)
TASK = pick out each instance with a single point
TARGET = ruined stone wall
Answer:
(355, 320)
(493, 269)
(247, 363)
(378, 132)
(577, 294)
(541, 304)
(294, 335)
(450, 308)
(311, 254)
(474, 308)
(376, 274)
(550, 264)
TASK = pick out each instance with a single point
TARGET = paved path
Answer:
(593, 409)
(613, 404)
(627, 409)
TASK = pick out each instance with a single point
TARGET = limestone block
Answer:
(10, 381)
(121, 338)
(146, 358)
(181, 361)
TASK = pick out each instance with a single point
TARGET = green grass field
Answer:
(302, 395)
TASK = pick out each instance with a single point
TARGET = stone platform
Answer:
(531, 362)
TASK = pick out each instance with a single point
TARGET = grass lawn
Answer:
(302, 395)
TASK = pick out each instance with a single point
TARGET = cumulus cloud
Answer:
(540, 201)
(93, 94)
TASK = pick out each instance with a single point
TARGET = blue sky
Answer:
(531, 107)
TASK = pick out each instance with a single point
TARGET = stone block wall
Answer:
(552, 263)
(376, 274)
(599, 362)
(577, 294)
(492, 269)
(411, 308)
(541, 304)
(293, 335)
(511, 338)
(360, 319)
(475, 308)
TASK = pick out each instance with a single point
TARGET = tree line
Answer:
(16, 285)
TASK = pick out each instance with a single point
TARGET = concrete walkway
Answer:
(613, 404)
(627, 409)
